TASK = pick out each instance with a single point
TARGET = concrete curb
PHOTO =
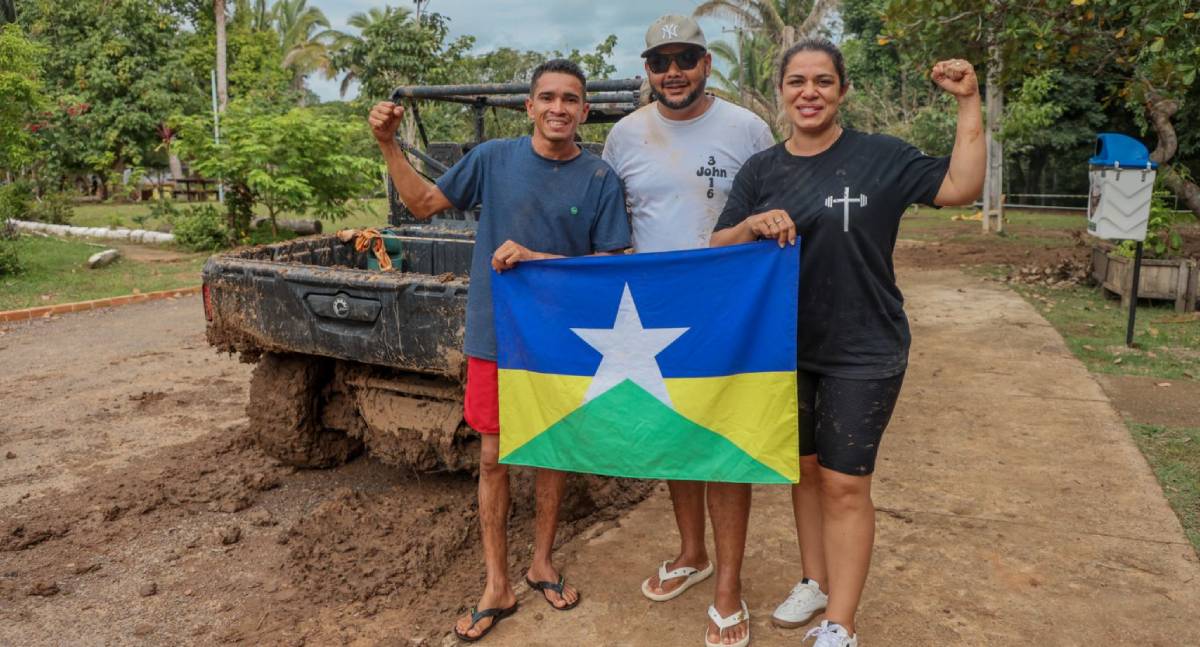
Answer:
(63, 308)
(128, 235)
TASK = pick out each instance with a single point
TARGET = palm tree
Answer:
(305, 45)
(773, 26)
(348, 43)
(750, 81)
(257, 17)
(222, 79)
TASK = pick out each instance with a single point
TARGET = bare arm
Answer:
(968, 161)
(510, 253)
(775, 223)
(421, 196)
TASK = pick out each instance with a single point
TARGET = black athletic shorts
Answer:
(842, 421)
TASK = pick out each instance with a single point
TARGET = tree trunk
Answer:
(993, 183)
(176, 166)
(1160, 111)
(222, 81)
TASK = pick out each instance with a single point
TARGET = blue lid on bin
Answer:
(1117, 150)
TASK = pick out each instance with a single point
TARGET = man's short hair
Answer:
(560, 65)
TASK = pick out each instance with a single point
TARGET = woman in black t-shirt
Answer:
(843, 192)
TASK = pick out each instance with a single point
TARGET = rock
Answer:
(228, 535)
(261, 517)
(44, 589)
(148, 589)
(143, 629)
(10, 455)
(83, 569)
(100, 259)
(283, 537)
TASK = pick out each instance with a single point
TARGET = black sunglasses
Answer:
(686, 60)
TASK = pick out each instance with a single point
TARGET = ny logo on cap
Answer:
(670, 31)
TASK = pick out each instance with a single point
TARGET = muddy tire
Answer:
(287, 395)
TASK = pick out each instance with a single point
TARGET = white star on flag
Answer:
(629, 352)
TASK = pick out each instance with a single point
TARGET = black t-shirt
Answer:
(846, 203)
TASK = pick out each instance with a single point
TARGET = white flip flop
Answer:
(693, 575)
(732, 620)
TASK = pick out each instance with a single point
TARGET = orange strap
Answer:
(372, 239)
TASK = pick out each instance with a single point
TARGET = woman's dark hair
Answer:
(815, 45)
(560, 65)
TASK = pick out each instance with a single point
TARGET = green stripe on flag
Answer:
(628, 432)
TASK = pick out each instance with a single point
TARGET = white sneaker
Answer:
(831, 634)
(804, 602)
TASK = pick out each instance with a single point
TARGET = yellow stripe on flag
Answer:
(531, 402)
(750, 410)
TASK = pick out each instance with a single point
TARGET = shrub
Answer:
(10, 263)
(1162, 239)
(200, 229)
(14, 200)
(53, 208)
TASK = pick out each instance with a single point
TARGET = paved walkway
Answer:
(1014, 509)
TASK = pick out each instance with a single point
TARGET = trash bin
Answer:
(1121, 178)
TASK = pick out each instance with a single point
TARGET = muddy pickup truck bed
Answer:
(349, 356)
(316, 296)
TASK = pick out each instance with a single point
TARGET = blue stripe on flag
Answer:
(718, 294)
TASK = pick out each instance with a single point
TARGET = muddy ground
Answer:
(134, 509)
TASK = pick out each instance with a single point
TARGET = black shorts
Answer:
(842, 421)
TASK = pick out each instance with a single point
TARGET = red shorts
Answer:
(481, 406)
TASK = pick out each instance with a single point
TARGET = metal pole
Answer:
(216, 136)
(1133, 293)
(479, 125)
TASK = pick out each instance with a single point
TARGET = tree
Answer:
(294, 162)
(774, 25)
(357, 43)
(21, 87)
(8, 11)
(751, 81)
(222, 43)
(305, 44)
(116, 70)
(1145, 53)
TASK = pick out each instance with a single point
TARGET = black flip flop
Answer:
(496, 613)
(557, 587)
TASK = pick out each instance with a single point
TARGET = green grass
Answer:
(126, 215)
(56, 272)
(1020, 228)
(1167, 343)
(1174, 455)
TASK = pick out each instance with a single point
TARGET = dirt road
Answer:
(1014, 506)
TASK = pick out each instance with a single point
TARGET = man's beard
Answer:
(678, 105)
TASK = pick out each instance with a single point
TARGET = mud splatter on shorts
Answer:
(842, 421)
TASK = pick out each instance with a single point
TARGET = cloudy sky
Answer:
(535, 25)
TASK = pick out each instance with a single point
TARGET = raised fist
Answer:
(385, 119)
(956, 76)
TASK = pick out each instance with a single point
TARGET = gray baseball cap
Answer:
(671, 29)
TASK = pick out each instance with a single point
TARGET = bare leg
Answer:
(687, 497)
(729, 507)
(493, 523)
(549, 487)
(849, 520)
(806, 504)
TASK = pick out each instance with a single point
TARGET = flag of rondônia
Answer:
(676, 365)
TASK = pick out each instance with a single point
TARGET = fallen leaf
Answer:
(1086, 347)
(1118, 360)
(1162, 384)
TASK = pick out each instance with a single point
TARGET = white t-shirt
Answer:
(677, 174)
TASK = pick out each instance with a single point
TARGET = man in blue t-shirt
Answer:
(539, 193)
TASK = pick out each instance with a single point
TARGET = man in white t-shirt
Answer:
(677, 158)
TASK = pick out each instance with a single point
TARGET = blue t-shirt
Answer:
(574, 207)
